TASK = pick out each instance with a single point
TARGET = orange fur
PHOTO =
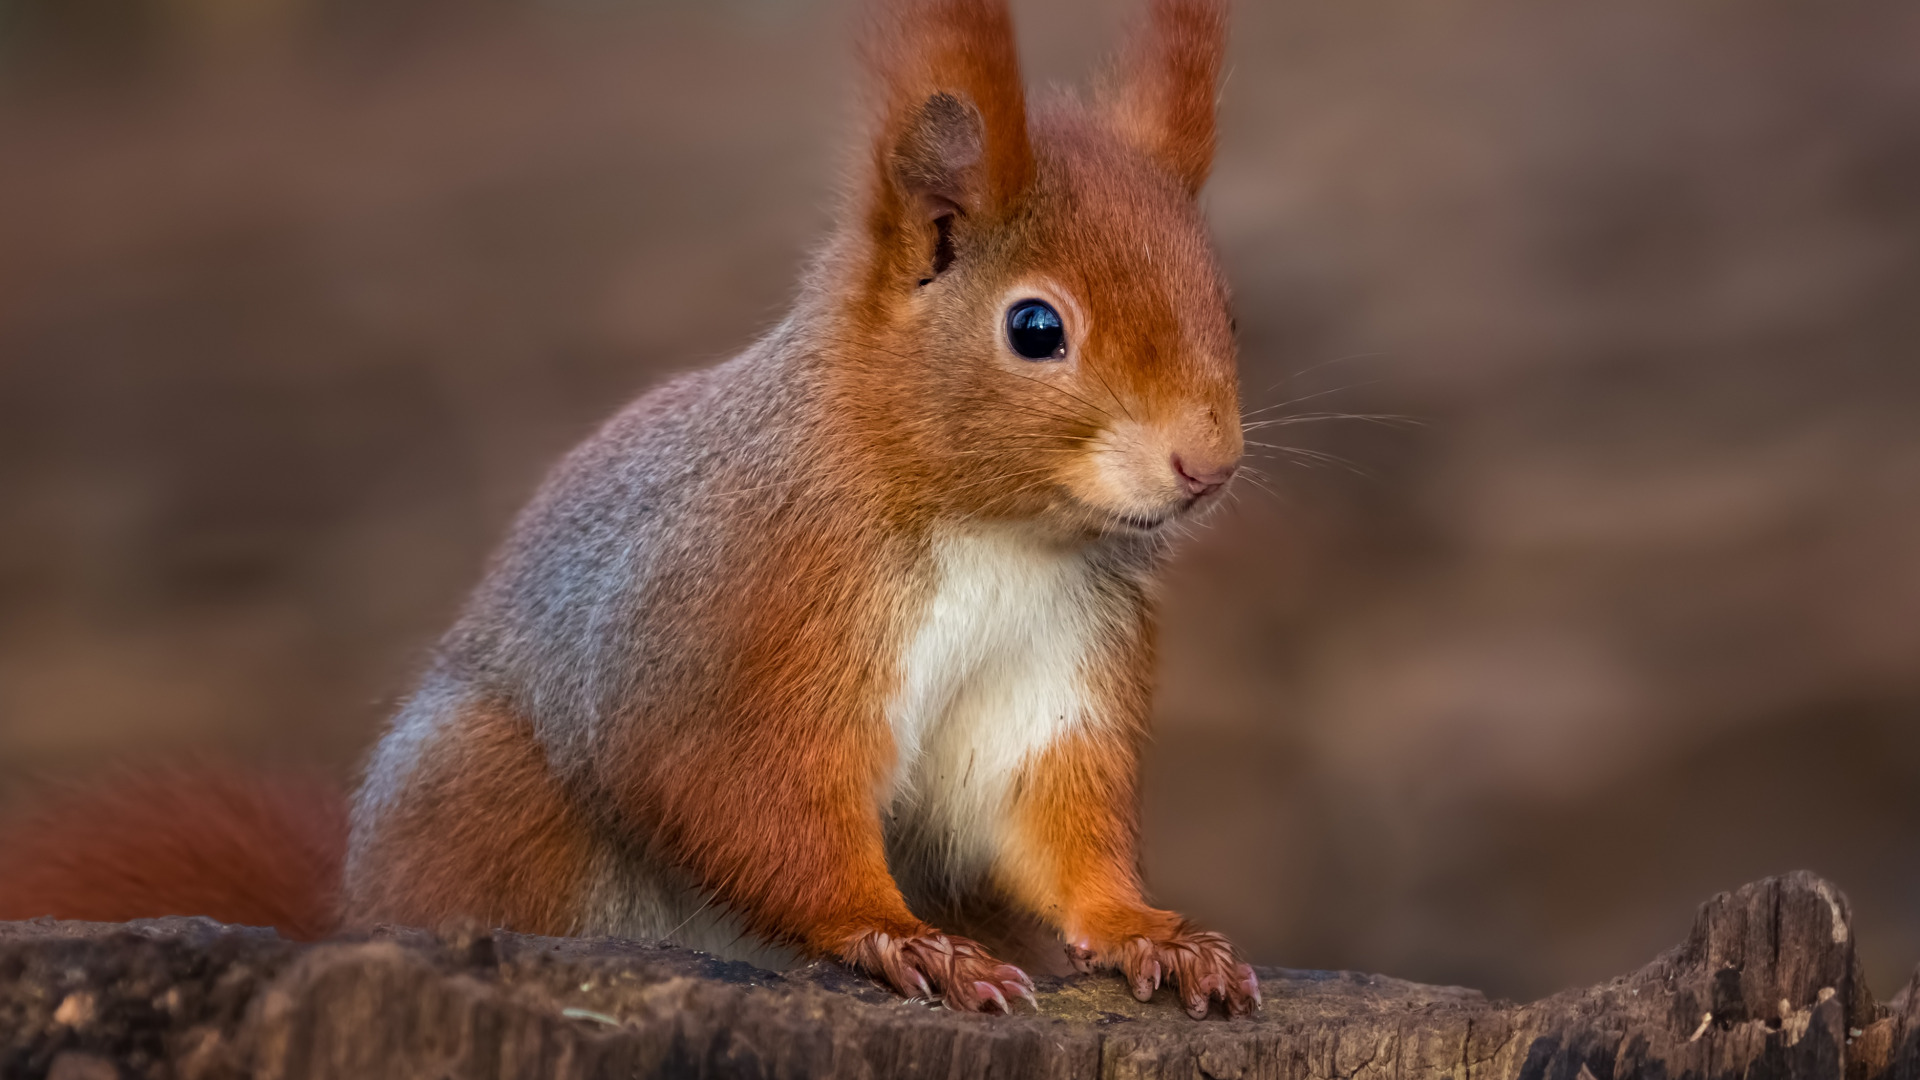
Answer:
(489, 836)
(1164, 104)
(1075, 864)
(1076, 815)
(799, 854)
(203, 840)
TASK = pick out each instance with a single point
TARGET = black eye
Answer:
(1035, 331)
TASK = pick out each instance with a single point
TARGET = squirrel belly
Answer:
(1022, 642)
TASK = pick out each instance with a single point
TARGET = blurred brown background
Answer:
(299, 297)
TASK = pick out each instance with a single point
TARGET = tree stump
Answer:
(1767, 985)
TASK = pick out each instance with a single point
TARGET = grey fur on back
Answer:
(583, 612)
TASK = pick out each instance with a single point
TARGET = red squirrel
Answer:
(869, 604)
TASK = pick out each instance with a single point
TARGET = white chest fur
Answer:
(995, 670)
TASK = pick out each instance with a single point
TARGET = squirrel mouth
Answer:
(1147, 523)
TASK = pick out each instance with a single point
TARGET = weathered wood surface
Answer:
(1767, 985)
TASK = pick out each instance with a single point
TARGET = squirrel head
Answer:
(1033, 324)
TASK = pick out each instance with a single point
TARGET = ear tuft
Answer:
(1166, 86)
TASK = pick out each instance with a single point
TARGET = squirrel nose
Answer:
(1199, 477)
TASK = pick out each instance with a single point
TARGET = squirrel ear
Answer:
(937, 158)
(953, 131)
(1165, 86)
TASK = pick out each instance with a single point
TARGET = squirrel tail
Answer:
(190, 840)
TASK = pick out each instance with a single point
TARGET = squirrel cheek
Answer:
(1125, 472)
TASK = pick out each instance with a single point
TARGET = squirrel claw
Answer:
(1147, 981)
(1009, 975)
(957, 971)
(1201, 964)
(1199, 997)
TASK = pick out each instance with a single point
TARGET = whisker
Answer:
(1319, 456)
(1042, 450)
(1308, 397)
(1383, 419)
(1063, 390)
(1311, 368)
(1118, 400)
(1261, 482)
(990, 503)
(1035, 410)
(999, 477)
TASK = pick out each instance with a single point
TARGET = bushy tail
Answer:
(199, 840)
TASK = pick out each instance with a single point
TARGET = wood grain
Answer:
(1767, 985)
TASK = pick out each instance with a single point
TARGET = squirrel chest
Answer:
(1002, 660)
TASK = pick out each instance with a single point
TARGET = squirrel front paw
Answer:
(1201, 964)
(958, 969)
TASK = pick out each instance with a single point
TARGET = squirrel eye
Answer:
(1035, 331)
